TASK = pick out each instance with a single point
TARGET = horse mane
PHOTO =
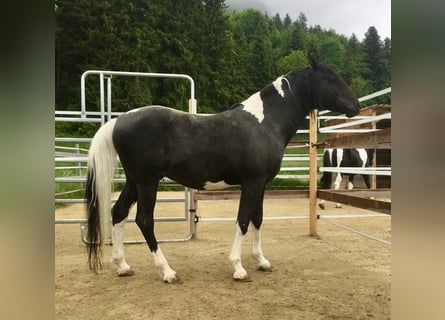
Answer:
(287, 81)
(323, 66)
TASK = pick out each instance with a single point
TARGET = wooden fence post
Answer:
(313, 173)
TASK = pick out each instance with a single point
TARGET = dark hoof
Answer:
(321, 205)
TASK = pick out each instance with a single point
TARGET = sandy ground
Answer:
(342, 275)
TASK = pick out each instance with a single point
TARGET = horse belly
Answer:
(204, 171)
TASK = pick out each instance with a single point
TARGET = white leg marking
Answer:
(167, 274)
(257, 252)
(338, 180)
(254, 105)
(337, 183)
(277, 84)
(118, 255)
(339, 177)
(321, 204)
(350, 185)
(235, 256)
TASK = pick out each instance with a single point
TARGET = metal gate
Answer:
(75, 158)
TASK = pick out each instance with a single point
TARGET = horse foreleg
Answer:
(235, 256)
(338, 180)
(367, 181)
(251, 200)
(167, 274)
(119, 214)
(337, 184)
(257, 251)
(350, 180)
(146, 195)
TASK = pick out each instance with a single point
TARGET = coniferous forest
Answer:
(230, 55)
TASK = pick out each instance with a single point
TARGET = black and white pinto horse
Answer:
(336, 158)
(241, 146)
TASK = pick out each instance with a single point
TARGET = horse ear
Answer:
(312, 61)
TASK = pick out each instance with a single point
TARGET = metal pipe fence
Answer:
(76, 157)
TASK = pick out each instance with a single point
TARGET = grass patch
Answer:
(287, 184)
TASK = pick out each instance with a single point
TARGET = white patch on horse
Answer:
(257, 252)
(338, 178)
(167, 274)
(363, 156)
(278, 85)
(216, 185)
(235, 256)
(118, 255)
(254, 106)
(339, 156)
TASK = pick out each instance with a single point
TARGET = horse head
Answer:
(330, 91)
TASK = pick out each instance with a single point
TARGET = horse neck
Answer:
(285, 115)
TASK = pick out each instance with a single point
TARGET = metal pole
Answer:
(102, 99)
(109, 98)
(83, 112)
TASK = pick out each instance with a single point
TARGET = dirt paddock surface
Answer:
(342, 275)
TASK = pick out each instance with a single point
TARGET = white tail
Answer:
(101, 164)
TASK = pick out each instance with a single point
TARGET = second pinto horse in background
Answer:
(337, 158)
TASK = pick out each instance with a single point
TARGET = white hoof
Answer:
(265, 266)
(241, 276)
(170, 277)
(125, 272)
(123, 269)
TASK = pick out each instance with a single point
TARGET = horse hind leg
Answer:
(119, 214)
(146, 195)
